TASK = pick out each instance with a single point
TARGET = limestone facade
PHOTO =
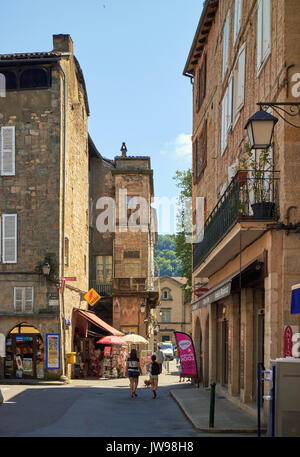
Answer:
(174, 311)
(251, 266)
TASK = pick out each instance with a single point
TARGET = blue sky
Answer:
(132, 53)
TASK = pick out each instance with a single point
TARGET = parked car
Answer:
(1, 398)
(167, 350)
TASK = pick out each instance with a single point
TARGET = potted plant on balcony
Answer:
(260, 185)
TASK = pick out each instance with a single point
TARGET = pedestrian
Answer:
(154, 372)
(160, 358)
(133, 371)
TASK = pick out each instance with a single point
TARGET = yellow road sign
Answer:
(92, 297)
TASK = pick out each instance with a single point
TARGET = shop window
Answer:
(10, 80)
(104, 269)
(34, 78)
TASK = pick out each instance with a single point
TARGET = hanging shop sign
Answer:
(52, 351)
(288, 341)
(92, 297)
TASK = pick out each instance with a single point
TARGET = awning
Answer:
(94, 319)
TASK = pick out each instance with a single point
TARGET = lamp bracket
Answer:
(291, 109)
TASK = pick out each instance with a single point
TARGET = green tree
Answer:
(183, 237)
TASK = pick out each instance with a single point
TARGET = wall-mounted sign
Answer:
(2, 345)
(212, 296)
(288, 341)
(53, 303)
(92, 297)
(52, 351)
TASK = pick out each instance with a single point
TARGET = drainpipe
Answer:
(63, 228)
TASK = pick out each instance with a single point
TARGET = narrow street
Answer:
(93, 408)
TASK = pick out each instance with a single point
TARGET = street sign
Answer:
(92, 297)
(70, 278)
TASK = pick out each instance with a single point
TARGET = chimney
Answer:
(62, 43)
(123, 149)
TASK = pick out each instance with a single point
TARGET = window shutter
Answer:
(28, 299)
(9, 232)
(237, 18)
(223, 127)
(241, 79)
(225, 45)
(8, 151)
(259, 34)
(18, 299)
(229, 105)
(266, 28)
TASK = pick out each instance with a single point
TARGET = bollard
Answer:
(212, 405)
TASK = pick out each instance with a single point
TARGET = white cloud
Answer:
(181, 147)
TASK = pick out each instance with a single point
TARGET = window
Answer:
(237, 18)
(165, 294)
(23, 299)
(201, 84)
(263, 32)
(166, 315)
(66, 249)
(226, 115)
(33, 78)
(7, 151)
(226, 44)
(10, 80)
(239, 83)
(9, 238)
(132, 203)
(104, 269)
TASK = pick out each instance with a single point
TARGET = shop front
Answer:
(93, 359)
(24, 353)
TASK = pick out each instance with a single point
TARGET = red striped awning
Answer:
(94, 319)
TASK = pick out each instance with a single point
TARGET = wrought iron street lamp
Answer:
(260, 126)
(46, 268)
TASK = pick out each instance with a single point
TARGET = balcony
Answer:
(241, 204)
(102, 289)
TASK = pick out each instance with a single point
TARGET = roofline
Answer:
(207, 5)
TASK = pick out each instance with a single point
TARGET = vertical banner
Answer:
(52, 351)
(187, 354)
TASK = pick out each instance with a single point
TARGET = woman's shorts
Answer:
(154, 377)
(133, 374)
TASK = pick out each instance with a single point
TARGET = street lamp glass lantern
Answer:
(260, 129)
(46, 268)
(143, 307)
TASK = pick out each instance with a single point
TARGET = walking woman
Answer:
(154, 372)
(133, 371)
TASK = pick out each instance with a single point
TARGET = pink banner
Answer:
(187, 356)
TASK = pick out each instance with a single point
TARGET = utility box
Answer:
(287, 397)
(71, 357)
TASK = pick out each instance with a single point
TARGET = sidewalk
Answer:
(228, 418)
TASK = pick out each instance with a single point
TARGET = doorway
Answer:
(24, 353)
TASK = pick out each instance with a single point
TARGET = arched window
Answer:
(34, 77)
(166, 294)
(10, 79)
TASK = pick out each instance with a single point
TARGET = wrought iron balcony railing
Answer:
(101, 289)
(251, 195)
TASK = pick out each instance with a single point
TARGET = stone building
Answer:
(122, 246)
(51, 252)
(174, 311)
(44, 203)
(243, 53)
